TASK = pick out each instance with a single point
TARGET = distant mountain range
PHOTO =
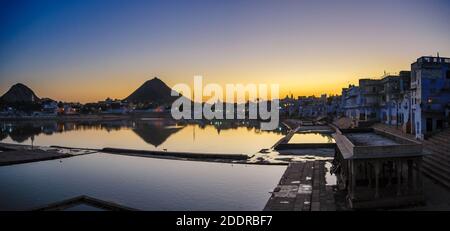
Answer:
(19, 93)
(154, 90)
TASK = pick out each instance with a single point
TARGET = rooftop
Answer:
(431, 59)
(369, 139)
(373, 143)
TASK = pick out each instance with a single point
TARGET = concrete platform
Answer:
(369, 139)
(303, 187)
(26, 156)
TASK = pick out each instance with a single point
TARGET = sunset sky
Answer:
(89, 50)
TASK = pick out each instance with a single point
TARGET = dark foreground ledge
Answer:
(176, 154)
(26, 156)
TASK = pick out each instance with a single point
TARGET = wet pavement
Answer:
(304, 186)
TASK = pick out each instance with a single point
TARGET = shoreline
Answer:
(185, 156)
(88, 117)
(256, 158)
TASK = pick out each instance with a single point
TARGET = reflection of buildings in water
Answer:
(103, 125)
(154, 132)
(220, 125)
(23, 130)
(49, 128)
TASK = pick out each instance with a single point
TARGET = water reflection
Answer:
(141, 183)
(313, 137)
(241, 137)
(155, 133)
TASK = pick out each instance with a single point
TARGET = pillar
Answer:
(377, 184)
(369, 173)
(414, 174)
(353, 180)
(419, 175)
(398, 167)
(410, 174)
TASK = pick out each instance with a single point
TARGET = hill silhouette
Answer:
(152, 91)
(19, 93)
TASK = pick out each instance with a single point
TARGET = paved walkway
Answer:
(303, 188)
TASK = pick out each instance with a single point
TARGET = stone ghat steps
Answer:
(438, 167)
(435, 175)
(437, 151)
(445, 132)
(439, 144)
(439, 159)
(441, 138)
(437, 164)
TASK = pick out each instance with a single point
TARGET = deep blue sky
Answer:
(88, 50)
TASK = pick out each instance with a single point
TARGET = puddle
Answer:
(304, 189)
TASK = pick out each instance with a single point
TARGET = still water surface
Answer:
(213, 137)
(302, 138)
(141, 183)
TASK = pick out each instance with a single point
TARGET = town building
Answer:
(350, 102)
(288, 106)
(312, 106)
(50, 107)
(369, 99)
(416, 101)
(430, 95)
(395, 100)
(333, 105)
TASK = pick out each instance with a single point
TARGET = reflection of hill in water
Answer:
(155, 133)
(23, 133)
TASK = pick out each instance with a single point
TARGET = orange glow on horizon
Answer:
(120, 86)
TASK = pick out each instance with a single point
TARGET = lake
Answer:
(302, 138)
(140, 183)
(226, 137)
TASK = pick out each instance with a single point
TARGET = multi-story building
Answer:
(417, 101)
(351, 98)
(333, 105)
(430, 94)
(312, 107)
(369, 99)
(288, 106)
(395, 100)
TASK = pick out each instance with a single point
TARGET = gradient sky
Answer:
(89, 50)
